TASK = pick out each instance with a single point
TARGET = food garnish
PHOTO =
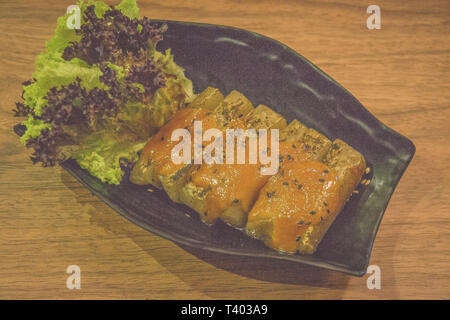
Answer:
(99, 92)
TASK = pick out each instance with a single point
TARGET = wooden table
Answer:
(48, 221)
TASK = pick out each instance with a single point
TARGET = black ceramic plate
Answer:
(270, 73)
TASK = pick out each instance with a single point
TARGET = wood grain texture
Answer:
(48, 221)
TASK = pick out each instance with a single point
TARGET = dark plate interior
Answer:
(270, 73)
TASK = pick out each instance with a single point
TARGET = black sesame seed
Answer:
(293, 146)
(282, 172)
(162, 138)
(324, 203)
(312, 212)
(328, 211)
(326, 171)
(269, 195)
(285, 183)
(235, 200)
(289, 157)
(240, 116)
(321, 180)
(206, 213)
(298, 239)
(300, 222)
(308, 223)
(299, 186)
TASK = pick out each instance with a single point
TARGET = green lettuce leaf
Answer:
(129, 8)
(117, 135)
(34, 128)
(54, 71)
(102, 152)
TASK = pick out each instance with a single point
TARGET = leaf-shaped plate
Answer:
(270, 73)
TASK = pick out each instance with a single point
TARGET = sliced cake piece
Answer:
(155, 165)
(293, 132)
(262, 117)
(156, 155)
(233, 109)
(209, 99)
(144, 171)
(295, 209)
(317, 144)
(348, 165)
(228, 191)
